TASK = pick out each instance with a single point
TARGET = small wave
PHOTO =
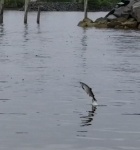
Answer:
(133, 114)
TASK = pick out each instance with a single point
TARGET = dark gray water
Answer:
(42, 105)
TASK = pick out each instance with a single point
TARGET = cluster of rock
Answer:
(126, 15)
(56, 6)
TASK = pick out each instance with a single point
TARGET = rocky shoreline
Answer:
(126, 15)
(63, 6)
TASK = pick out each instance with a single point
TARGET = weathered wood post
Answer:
(38, 14)
(26, 10)
(1, 10)
(85, 8)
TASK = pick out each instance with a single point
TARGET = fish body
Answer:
(88, 90)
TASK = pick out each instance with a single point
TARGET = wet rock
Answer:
(100, 23)
(119, 11)
(111, 17)
(136, 11)
(119, 27)
(113, 24)
(116, 23)
(82, 24)
(139, 26)
(130, 24)
(86, 22)
(101, 20)
(121, 19)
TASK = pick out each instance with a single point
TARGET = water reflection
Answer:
(25, 33)
(1, 29)
(38, 29)
(84, 48)
(87, 120)
(1, 33)
(84, 40)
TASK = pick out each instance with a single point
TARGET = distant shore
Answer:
(61, 6)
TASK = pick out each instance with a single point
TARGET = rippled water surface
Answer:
(42, 105)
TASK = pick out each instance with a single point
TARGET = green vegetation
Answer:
(102, 3)
(92, 3)
(13, 3)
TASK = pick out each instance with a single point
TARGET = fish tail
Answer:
(94, 99)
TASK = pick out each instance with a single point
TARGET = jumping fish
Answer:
(88, 90)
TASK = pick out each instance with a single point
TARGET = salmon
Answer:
(88, 90)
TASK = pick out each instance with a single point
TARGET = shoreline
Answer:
(60, 6)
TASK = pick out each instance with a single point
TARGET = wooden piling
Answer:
(26, 10)
(1, 10)
(85, 8)
(38, 15)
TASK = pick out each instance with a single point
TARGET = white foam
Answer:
(94, 103)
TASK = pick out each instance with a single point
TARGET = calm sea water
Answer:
(42, 105)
